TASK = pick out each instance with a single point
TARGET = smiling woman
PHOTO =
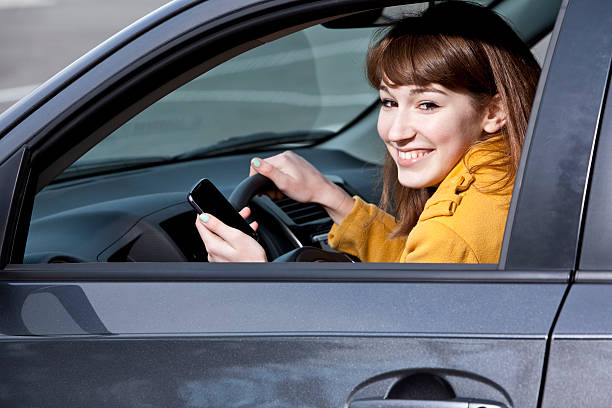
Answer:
(428, 129)
(456, 86)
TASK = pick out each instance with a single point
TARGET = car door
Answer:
(278, 334)
(579, 366)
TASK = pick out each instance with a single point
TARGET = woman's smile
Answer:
(407, 158)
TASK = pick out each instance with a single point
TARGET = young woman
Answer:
(456, 87)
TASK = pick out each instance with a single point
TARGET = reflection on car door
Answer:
(269, 343)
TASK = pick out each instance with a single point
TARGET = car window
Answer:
(311, 81)
(288, 93)
(291, 93)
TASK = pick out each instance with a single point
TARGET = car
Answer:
(106, 297)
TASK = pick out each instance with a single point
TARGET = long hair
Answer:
(466, 48)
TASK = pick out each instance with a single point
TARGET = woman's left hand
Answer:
(226, 244)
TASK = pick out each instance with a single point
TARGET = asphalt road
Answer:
(38, 38)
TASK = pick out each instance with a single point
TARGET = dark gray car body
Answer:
(532, 331)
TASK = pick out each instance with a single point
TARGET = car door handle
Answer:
(398, 403)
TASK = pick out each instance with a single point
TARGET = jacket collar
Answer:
(450, 192)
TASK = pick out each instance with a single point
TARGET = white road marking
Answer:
(14, 94)
(17, 4)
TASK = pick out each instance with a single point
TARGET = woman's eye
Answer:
(427, 106)
(388, 103)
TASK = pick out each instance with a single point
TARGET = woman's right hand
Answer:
(301, 181)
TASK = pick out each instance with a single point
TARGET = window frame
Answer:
(545, 221)
(96, 113)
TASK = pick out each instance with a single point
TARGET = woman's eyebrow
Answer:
(424, 89)
(414, 91)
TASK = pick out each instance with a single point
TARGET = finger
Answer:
(254, 225)
(210, 240)
(218, 249)
(245, 212)
(256, 163)
(223, 231)
(275, 194)
(208, 237)
(272, 172)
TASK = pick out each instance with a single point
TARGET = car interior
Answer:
(125, 199)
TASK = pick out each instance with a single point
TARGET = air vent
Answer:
(302, 213)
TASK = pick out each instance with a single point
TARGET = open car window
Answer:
(298, 90)
(124, 200)
(292, 93)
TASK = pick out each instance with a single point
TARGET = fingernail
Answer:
(256, 163)
(204, 217)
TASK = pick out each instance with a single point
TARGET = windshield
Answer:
(302, 87)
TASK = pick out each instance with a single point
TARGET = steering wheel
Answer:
(242, 196)
(247, 188)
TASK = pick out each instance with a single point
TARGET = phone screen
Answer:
(205, 198)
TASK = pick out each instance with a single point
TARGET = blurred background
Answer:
(40, 37)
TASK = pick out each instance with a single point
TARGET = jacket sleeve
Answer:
(434, 242)
(364, 233)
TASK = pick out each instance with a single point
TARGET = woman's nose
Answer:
(401, 129)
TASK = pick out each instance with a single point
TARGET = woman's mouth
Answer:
(408, 158)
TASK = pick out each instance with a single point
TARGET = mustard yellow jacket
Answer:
(463, 222)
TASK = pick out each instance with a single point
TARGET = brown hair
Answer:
(466, 48)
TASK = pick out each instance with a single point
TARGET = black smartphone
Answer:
(205, 198)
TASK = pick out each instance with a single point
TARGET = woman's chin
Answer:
(414, 185)
(416, 182)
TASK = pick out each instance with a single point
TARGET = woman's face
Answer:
(427, 130)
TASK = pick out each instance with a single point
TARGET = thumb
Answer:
(267, 169)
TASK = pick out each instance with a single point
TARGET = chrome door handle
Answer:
(397, 403)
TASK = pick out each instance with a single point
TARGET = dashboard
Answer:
(142, 215)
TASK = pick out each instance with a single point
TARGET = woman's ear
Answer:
(495, 115)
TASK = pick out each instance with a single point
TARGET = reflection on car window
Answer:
(310, 80)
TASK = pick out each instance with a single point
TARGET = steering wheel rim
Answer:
(247, 188)
(243, 196)
(252, 185)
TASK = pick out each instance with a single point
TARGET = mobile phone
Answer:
(205, 198)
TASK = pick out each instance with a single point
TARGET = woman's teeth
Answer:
(414, 154)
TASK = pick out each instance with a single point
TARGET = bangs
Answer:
(423, 59)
